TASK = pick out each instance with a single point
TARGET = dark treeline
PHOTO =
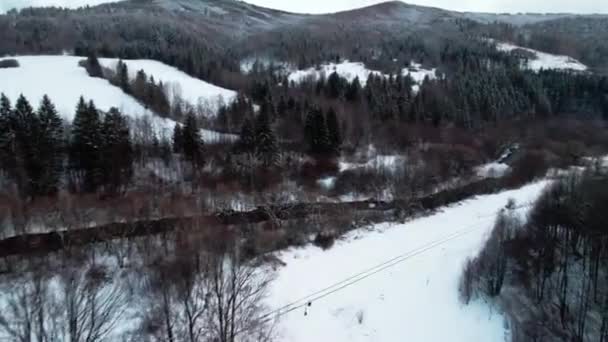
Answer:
(41, 154)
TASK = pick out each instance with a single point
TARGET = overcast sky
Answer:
(511, 6)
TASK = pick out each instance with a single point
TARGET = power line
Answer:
(315, 296)
(304, 301)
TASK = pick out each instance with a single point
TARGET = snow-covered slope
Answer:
(414, 300)
(190, 89)
(351, 70)
(64, 82)
(346, 69)
(545, 60)
(6, 5)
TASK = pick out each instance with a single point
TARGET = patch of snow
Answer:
(64, 82)
(389, 163)
(419, 74)
(406, 302)
(196, 92)
(346, 69)
(351, 70)
(327, 183)
(545, 60)
(492, 170)
(248, 63)
(210, 136)
(6, 5)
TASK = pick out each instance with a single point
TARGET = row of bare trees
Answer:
(176, 287)
(554, 265)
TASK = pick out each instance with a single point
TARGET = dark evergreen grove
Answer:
(35, 150)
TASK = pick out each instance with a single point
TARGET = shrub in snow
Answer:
(324, 240)
(9, 63)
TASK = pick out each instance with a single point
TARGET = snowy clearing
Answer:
(196, 92)
(406, 302)
(545, 60)
(351, 70)
(64, 82)
(492, 170)
(38, 75)
(419, 74)
(346, 69)
(6, 5)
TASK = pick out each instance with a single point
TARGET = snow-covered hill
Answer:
(64, 82)
(6, 5)
(351, 70)
(545, 60)
(415, 299)
(190, 89)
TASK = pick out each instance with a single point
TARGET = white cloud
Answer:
(512, 6)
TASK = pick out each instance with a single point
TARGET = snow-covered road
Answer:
(416, 299)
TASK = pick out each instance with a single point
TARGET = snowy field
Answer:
(64, 82)
(412, 296)
(351, 70)
(545, 60)
(196, 92)
(6, 5)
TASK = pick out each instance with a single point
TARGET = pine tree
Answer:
(333, 130)
(50, 147)
(247, 137)
(123, 77)
(266, 146)
(7, 156)
(334, 85)
(139, 86)
(93, 67)
(26, 129)
(117, 151)
(353, 93)
(316, 133)
(192, 142)
(178, 139)
(85, 147)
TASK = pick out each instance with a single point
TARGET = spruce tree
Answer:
(333, 130)
(353, 93)
(192, 142)
(93, 67)
(26, 129)
(117, 152)
(178, 139)
(334, 85)
(266, 146)
(139, 87)
(85, 147)
(247, 137)
(50, 147)
(123, 77)
(316, 133)
(6, 135)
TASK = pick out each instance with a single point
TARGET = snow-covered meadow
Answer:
(196, 92)
(65, 82)
(351, 70)
(545, 60)
(415, 298)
